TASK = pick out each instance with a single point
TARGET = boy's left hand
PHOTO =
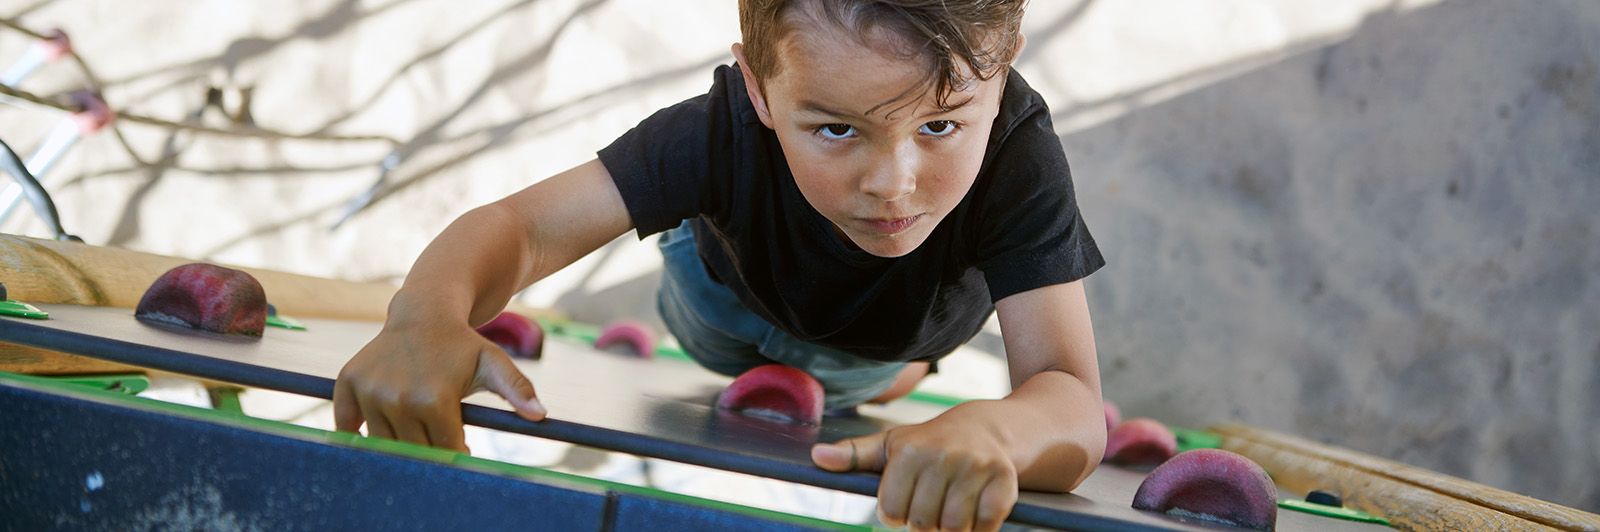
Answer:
(951, 473)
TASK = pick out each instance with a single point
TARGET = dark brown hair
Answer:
(984, 34)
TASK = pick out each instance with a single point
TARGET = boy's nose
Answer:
(893, 180)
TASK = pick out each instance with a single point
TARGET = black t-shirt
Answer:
(712, 160)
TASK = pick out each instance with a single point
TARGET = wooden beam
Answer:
(48, 271)
(1409, 497)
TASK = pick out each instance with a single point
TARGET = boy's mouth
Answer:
(890, 226)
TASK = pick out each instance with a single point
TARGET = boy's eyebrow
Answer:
(814, 107)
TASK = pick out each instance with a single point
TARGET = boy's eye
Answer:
(939, 128)
(837, 131)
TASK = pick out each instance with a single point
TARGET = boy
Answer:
(855, 200)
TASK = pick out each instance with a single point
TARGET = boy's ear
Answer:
(753, 87)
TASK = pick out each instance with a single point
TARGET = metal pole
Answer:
(62, 137)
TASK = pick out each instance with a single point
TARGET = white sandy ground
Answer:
(1367, 222)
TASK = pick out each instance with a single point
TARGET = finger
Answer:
(346, 411)
(898, 484)
(995, 502)
(445, 430)
(408, 428)
(961, 502)
(497, 374)
(927, 500)
(856, 454)
(377, 424)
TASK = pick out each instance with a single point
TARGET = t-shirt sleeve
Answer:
(1031, 233)
(665, 166)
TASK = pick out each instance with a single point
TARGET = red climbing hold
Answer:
(631, 335)
(515, 333)
(1113, 415)
(1212, 485)
(92, 113)
(1140, 441)
(56, 46)
(775, 391)
(206, 297)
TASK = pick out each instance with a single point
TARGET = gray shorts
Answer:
(717, 331)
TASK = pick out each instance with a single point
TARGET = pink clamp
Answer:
(93, 112)
(56, 46)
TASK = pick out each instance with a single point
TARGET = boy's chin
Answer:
(889, 247)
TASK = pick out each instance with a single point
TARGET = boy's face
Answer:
(887, 178)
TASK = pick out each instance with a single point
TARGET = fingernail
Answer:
(893, 522)
(825, 451)
(536, 406)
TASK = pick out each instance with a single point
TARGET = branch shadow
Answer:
(335, 20)
(531, 60)
(498, 135)
(128, 225)
(234, 172)
(30, 9)
(418, 60)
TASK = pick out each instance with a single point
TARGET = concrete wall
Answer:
(1390, 242)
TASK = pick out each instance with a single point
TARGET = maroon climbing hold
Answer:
(1113, 415)
(631, 335)
(1140, 441)
(206, 297)
(775, 391)
(515, 333)
(1212, 485)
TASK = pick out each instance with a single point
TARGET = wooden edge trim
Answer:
(1406, 506)
(34, 361)
(1538, 511)
(48, 271)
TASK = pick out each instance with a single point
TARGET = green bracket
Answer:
(129, 383)
(286, 322)
(936, 399)
(226, 399)
(1190, 439)
(571, 330)
(12, 307)
(1331, 511)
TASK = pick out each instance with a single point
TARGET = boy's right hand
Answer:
(407, 384)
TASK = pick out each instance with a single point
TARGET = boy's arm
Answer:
(408, 383)
(962, 469)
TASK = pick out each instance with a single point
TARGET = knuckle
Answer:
(379, 396)
(991, 510)
(521, 382)
(419, 401)
(953, 521)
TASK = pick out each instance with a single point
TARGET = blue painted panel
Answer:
(80, 464)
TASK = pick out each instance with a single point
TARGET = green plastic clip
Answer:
(226, 399)
(1331, 511)
(286, 322)
(12, 307)
(1190, 439)
(571, 330)
(131, 383)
